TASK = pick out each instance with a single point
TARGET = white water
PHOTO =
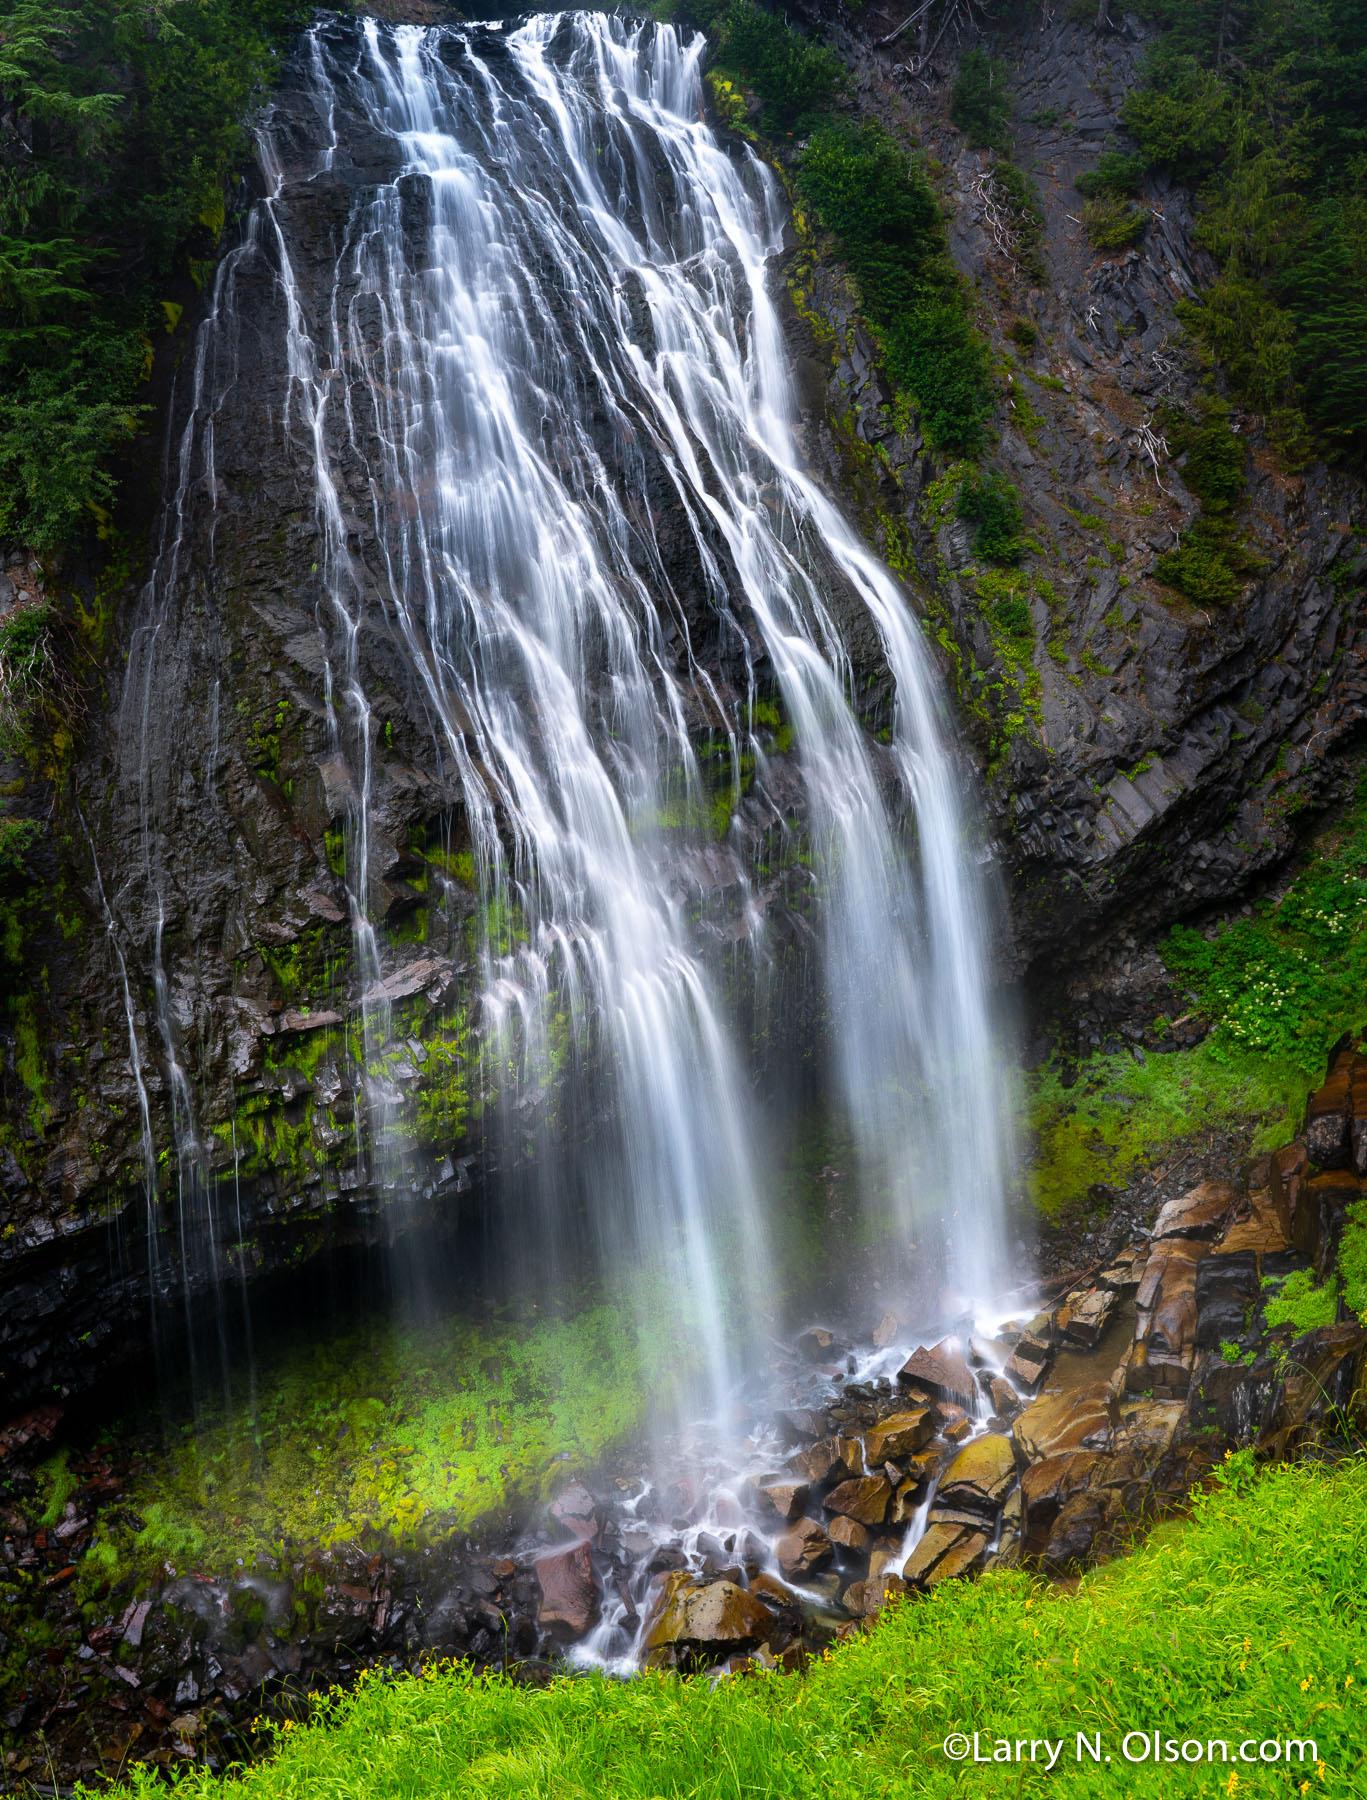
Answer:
(565, 297)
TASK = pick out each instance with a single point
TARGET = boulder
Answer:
(1165, 1334)
(693, 1622)
(1125, 1272)
(942, 1371)
(1256, 1227)
(1045, 1487)
(865, 1499)
(801, 1422)
(1078, 1419)
(900, 1435)
(819, 1345)
(1286, 1172)
(1005, 1401)
(803, 1550)
(978, 1479)
(1199, 1213)
(848, 1534)
(1084, 1318)
(569, 1593)
(1027, 1362)
(886, 1331)
(576, 1511)
(782, 1498)
(946, 1550)
(1328, 1116)
(1147, 1426)
(829, 1459)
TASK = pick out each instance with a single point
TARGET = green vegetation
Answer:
(1210, 566)
(980, 104)
(119, 125)
(794, 78)
(1121, 1114)
(25, 662)
(1112, 223)
(1116, 174)
(1280, 988)
(879, 206)
(392, 1436)
(990, 503)
(1262, 104)
(1245, 1622)
(1289, 981)
(1296, 1301)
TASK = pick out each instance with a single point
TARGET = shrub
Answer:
(793, 77)
(1013, 615)
(990, 504)
(1024, 332)
(1200, 568)
(980, 104)
(1112, 223)
(1180, 118)
(25, 661)
(1116, 174)
(1215, 453)
(876, 201)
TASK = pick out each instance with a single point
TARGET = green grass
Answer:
(1248, 1622)
(393, 1436)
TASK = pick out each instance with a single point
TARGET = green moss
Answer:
(396, 1436)
(1296, 1301)
(56, 1484)
(1121, 1115)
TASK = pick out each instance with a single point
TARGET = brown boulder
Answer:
(901, 1434)
(942, 1371)
(692, 1621)
(1086, 1316)
(830, 1459)
(1079, 1419)
(1045, 1487)
(848, 1534)
(1199, 1213)
(576, 1511)
(785, 1499)
(885, 1332)
(1028, 1361)
(819, 1345)
(865, 1499)
(569, 1594)
(978, 1479)
(946, 1550)
(803, 1550)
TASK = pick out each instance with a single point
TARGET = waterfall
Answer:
(550, 437)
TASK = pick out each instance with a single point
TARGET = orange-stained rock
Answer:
(1079, 1419)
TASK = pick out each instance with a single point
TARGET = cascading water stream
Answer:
(550, 436)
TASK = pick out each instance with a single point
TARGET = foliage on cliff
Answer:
(120, 122)
(1264, 104)
(1245, 1625)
